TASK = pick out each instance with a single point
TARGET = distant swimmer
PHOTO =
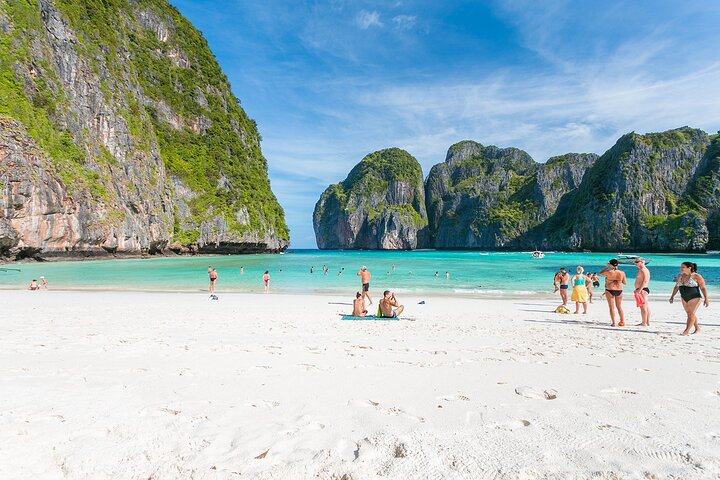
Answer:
(437, 274)
(387, 303)
(212, 273)
(33, 285)
(359, 309)
(242, 270)
(364, 275)
(266, 280)
(690, 283)
(614, 281)
(561, 283)
(393, 267)
(312, 269)
(642, 288)
(447, 275)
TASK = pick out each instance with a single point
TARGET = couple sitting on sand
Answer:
(386, 306)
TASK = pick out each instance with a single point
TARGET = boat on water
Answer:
(713, 252)
(630, 259)
(537, 254)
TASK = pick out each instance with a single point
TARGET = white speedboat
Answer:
(537, 254)
(713, 252)
(630, 259)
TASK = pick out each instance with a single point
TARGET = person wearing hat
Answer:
(364, 275)
(44, 282)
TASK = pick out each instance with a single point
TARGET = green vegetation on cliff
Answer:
(159, 75)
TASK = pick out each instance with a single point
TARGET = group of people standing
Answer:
(688, 283)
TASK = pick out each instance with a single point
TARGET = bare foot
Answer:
(613, 325)
(685, 333)
(696, 331)
(642, 325)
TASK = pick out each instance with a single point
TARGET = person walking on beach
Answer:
(266, 280)
(690, 284)
(642, 289)
(561, 283)
(580, 291)
(359, 309)
(614, 280)
(387, 303)
(212, 273)
(364, 275)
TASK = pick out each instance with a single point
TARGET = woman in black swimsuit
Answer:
(690, 284)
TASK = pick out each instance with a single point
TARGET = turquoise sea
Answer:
(471, 273)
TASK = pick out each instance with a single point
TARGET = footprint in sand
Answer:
(262, 404)
(387, 411)
(308, 367)
(451, 398)
(529, 392)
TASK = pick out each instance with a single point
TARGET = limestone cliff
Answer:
(380, 205)
(489, 197)
(650, 192)
(119, 133)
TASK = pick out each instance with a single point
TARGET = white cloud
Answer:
(404, 22)
(367, 19)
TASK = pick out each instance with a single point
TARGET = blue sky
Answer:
(330, 81)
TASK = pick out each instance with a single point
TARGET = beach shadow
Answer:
(595, 326)
(339, 303)
(537, 311)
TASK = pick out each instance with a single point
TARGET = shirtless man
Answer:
(359, 309)
(561, 282)
(212, 273)
(34, 285)
(642, 280)
(387, 303)
(614, 280)
(364, 275)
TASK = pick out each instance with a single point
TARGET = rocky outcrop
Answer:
(642, 194)
(119, 134)
(380, 205)
(653, 192)
(489, 197)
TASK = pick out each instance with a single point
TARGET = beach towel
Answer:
(369, 317)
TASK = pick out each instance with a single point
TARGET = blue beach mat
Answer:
(369, 317)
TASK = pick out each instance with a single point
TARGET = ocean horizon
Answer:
(480, 273)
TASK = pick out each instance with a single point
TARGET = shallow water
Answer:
(473, 273)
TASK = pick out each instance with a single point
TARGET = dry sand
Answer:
(175, 386)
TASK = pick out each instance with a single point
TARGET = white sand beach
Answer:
(175, 386)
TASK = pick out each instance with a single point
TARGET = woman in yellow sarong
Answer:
(579, 291)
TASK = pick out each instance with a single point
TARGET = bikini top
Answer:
(690, 282)
(579, 281)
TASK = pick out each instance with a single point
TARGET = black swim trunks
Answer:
(614, 293)
(647, 290)
(366, 287)
(564, 287)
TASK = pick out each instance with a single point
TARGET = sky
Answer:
(331, 81)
